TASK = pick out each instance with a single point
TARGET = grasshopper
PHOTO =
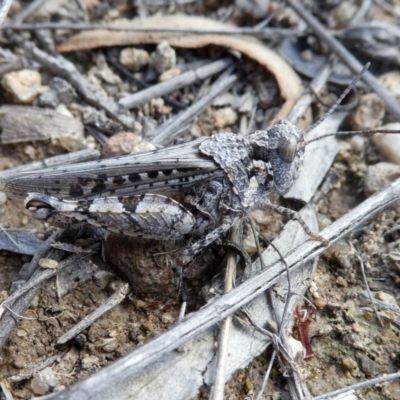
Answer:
(197, 189)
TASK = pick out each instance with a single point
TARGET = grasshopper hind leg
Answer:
(149, 216)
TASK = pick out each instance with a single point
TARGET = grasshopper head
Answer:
(281, 149)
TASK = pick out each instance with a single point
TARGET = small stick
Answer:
(166, 132)
(182, 311)
(267, 374)
(5, 6)
(217, 392)
(110, 303)
(163, 88)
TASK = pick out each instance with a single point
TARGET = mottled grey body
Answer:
(197, 189)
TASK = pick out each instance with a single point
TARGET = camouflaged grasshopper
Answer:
(198, 189)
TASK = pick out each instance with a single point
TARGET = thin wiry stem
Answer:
(369, 291)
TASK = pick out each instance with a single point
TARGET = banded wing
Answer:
(160, 171)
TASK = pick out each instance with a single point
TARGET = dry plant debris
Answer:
(63, 92)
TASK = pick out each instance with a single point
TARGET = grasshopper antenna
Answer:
(339, 100)
(366, 133)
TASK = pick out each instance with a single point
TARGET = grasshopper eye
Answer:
(287, 150)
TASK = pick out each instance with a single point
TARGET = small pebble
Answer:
(349, 364)
(341, 281)
(48, 263)
(224, 117)
(20, 361)
(89, 361)
(369, 367)
(342, 253)
(164, 110)
(110, 346)
(155, 104)
(387, 298)
(306, 55)
(344, 12)
(164, 58)
(357, 144)
(30, 151)
(391, 82)
(296, 349)
(140, 304)
(388, 145)
(380, 176)
(313, 288)
(369, 112)
(21, 333)
(44, 381)
(121, 144)
(24, 86)
(134, 59)
(320, 302)
(166, 318)
(148, 326)
(249, 244)
(323, 222)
